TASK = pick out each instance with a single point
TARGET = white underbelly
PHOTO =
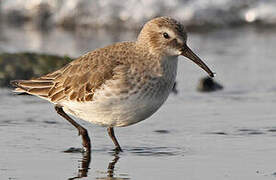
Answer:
(116, 111)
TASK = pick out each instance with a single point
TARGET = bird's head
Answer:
(167, 37)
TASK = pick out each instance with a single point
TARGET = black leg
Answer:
(112, 136)
(82, 131)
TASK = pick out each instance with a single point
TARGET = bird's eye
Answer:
(165, 35)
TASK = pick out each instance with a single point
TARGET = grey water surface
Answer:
(228, 134)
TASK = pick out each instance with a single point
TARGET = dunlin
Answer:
(118, 85)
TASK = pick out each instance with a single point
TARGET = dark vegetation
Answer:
(28, 65)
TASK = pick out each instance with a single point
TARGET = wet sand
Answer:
(228, 134)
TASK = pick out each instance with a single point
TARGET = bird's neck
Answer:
(149, 51)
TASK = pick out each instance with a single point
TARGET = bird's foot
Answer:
(117, 149)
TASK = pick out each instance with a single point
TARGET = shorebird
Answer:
(118, 85)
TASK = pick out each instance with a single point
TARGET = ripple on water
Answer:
(247, 132)
(218, 133)
(156, 151)
(8, 122)
(50, 122)
(271, 130)
(162, 131)
(140, 151)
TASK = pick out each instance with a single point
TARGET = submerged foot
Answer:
(74, 150)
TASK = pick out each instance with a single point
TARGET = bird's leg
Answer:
(112, 136)
(82, 131)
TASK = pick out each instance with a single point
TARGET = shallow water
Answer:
(228, 134)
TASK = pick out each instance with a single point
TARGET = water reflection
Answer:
(85, 163)
(111, 165)
(110, 169)
(83, 169)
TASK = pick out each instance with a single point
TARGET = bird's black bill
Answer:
(187, 52)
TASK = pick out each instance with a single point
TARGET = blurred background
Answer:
(224, 32)
(225, 134)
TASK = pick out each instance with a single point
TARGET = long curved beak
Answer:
(187, 52)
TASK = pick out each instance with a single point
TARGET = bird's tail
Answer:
(38, 87)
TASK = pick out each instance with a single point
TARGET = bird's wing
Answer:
(77, 80)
